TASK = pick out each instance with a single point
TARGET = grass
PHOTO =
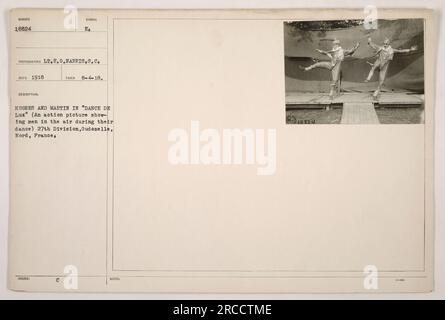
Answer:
(386, 115)
(399, 115)
(313, 116)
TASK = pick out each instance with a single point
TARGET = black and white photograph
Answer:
(354, 72)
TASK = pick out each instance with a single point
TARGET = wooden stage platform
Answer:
(359, 112)
(357, 108)
(318, 100)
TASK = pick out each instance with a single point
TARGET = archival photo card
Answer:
(179, 151)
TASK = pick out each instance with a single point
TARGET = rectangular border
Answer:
(272, 271)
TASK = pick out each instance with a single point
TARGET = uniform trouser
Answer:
(335, 72)
(383, 68)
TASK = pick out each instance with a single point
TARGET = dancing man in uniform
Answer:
(337, 55)
(384, 55)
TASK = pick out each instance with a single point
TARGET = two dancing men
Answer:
(384, 53)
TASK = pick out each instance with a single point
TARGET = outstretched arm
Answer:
(413, 48)
(373, 45)
(352, 50)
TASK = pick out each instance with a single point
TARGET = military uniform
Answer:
(337, 55)
(385, 55)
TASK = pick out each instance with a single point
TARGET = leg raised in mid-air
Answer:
(321, 65)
